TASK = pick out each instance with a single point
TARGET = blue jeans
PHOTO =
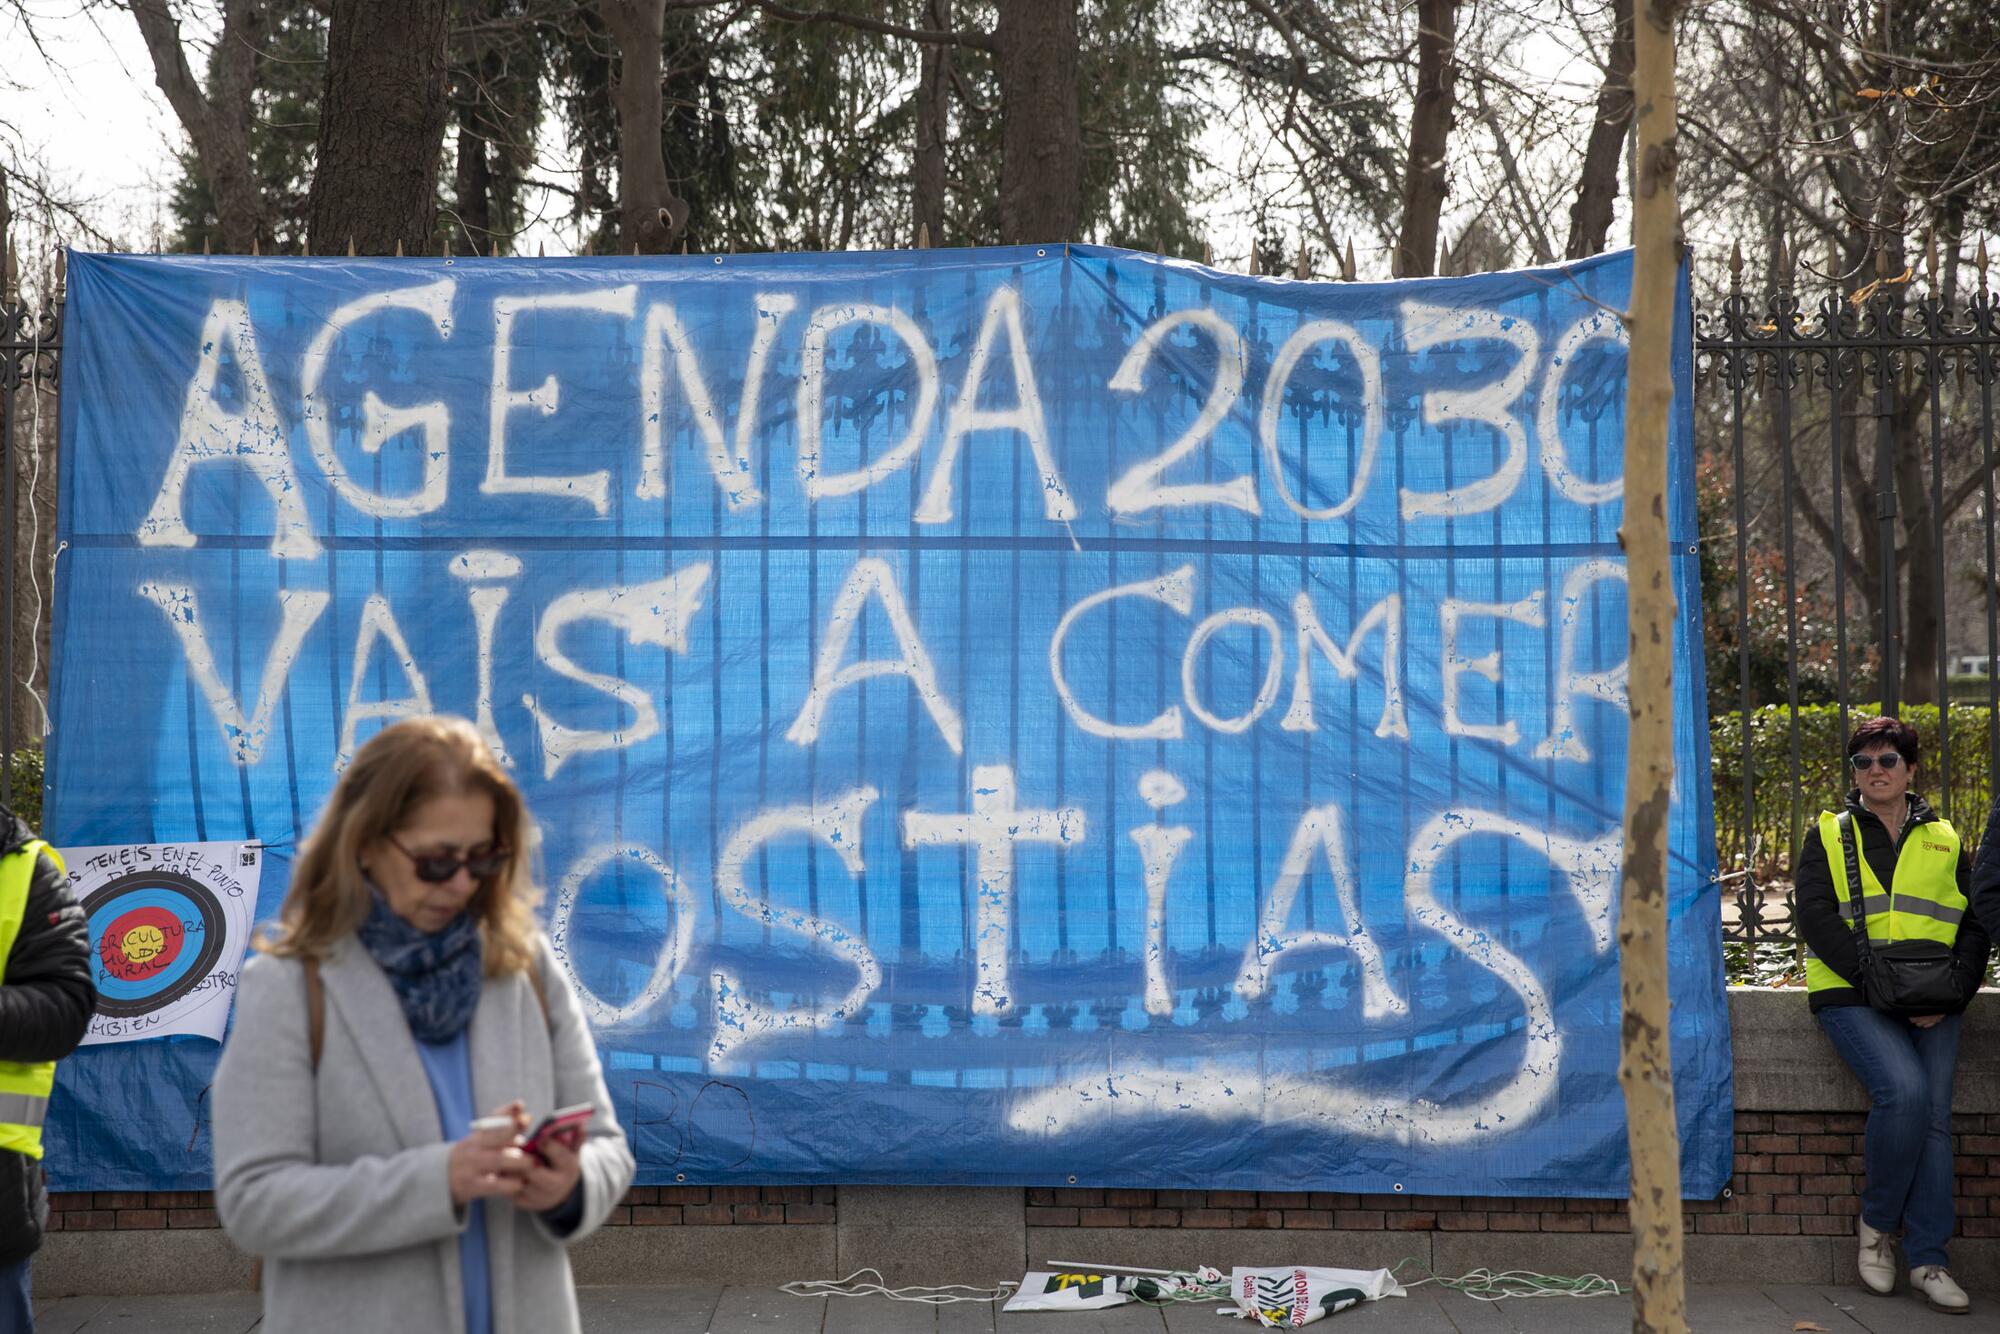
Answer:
(1908, 1072)
(17, 1307)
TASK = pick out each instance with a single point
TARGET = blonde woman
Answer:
(406, 990)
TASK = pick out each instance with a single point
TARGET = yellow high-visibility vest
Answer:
(1923, 902)
(24, 1085)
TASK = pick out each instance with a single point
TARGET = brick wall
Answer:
(1797, 1174)
(643, 1206)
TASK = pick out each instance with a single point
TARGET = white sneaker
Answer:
(1877, 1261)
(1935, 1286)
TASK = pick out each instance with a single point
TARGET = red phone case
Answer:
(565, 1126)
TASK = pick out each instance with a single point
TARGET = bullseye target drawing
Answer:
(155, 936)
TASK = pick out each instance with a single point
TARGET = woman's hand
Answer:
(548, 1186)
(489, 1163)
(1925, 1020)
(481, 1170)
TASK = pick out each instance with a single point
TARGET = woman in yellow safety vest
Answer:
(1913, 871)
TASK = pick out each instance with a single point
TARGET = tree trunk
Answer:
(1424, 179)
(927, 170)
(381, 127)
(472, 183)
(217, 125)
(1597, 185)
(476, 68)
(650, 215)
(1920, 527)
(1041, 136)
(1645, 1067)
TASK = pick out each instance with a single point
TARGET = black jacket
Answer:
(46, 1000)
(1985, 891)
(1830, 937)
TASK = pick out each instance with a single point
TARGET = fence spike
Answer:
(350, 245)
(1834, 261)
(399, 247)
(305, 246)
(1302, 270)
(495, 248)
(1982, 265)
(923, 236)
(1347, 261)
(542, 250)
(1207, 254)
(446, 249)
(256, 247)
(588, 248)
(1251, 269)
(10, 273)
(1781, 262)
(1735, 266)
(62, 274)
(1881, 260)
(204, 245)
(684, 245)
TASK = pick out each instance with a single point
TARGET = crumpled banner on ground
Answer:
(1286, 1298)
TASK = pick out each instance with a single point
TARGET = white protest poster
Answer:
(168, 926)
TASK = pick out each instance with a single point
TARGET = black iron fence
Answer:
(1847, 494)
(1846, 443)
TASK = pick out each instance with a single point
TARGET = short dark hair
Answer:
(1894, 731)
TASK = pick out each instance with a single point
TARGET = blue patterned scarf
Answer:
(436, 977)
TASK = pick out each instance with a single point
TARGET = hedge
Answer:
(25, 784)
(1822, 776)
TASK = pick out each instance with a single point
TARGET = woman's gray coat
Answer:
(340, 1182)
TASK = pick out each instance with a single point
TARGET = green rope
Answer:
(1486, 1286)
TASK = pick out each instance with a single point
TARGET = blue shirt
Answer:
(449, 1067)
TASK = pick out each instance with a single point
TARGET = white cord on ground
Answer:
(1485, 1285)
(943, 1295)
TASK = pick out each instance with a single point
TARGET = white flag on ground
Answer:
(1286, 1298)
(1043, 1291)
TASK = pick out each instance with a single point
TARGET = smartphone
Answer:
(564, 1125)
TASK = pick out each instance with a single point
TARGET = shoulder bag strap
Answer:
(1857, 894)
(541, 993)
(315, 1010)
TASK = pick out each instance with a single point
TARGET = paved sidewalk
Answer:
(1723, 1308)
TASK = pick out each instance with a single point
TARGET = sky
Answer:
(89, 110)
(91, 113)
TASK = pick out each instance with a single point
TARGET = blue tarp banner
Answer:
(1037, 715)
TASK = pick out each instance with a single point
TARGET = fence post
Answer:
(1891, 628)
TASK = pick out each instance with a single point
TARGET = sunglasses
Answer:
(1863, 763)
(436, 868)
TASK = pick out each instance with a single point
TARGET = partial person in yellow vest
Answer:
(46, 1000)
(1913, 873)
(1985, 890)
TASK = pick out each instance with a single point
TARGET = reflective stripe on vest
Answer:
(24, 1109)
(24, 1085)
(1922, 902)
